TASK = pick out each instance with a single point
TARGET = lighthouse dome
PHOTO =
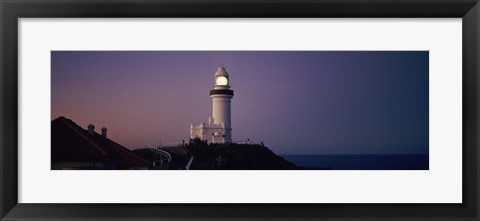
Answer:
(221, 72)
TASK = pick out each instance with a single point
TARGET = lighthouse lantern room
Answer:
(219, 127)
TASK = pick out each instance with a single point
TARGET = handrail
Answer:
(187, 167)
(164, 155)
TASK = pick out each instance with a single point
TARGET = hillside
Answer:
(226, 157)
(237, 157)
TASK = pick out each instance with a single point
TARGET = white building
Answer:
(219, 127)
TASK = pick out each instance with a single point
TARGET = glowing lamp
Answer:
(221, 80)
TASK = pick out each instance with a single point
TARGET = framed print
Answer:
(239, 110)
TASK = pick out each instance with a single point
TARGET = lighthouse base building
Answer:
(219, 128)
(212, 133)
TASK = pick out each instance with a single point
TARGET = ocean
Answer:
(360, 161)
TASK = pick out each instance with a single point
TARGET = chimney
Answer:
(91, 129)
(104, 132)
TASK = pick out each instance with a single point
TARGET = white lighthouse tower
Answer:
(219, 128)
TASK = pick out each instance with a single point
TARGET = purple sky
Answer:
(295, 102)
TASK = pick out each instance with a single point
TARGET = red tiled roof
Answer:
(72, 143)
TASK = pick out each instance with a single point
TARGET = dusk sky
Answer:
(298, 102)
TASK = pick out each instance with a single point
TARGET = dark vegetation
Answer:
(229, 156)
(233, 156)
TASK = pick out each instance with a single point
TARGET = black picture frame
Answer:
(12, 10)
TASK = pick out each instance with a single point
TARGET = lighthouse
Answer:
(219, 127)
